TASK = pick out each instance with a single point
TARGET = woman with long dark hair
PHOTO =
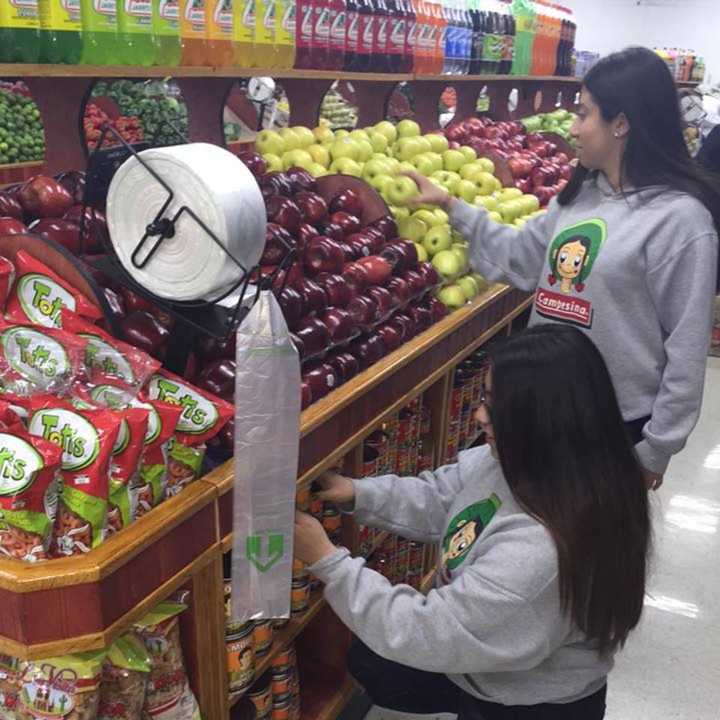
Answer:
(643, 287)
(543, 539)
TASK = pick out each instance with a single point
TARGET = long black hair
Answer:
(638, 83)
(569, 463)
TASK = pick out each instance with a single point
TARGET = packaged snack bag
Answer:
(203, 417)
(9, 687)
(168, 694)
(125, 675)
(87, 439)
(7, 280)
(8, 416)
(60, 688)
(39, 295)
(36, 360)
(29, 468)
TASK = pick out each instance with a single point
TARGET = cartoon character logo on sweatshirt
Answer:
(571, 258)
(464, 530)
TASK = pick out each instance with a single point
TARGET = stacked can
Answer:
(391, 458)
(285, 686)
(241, 658)
(456, 401)
(425, 459)
(261, 698)
(466, 371)
(478, 362)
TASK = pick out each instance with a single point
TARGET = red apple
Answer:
(10, 207)
(292, 306)
(344, 364)
(115, 303)
(401, 254)
(323, 255)
(356, 277)
(361, 244)
(254, 162)
(347, 201)
(141, 329)
(212, 348)
(539, 177)
(400, 291)
(429, 274)
(387, 226)
(285, 212)
(474, 126)
(437, 309)
(278, 242)
(377, 236)
(44, 197)
(367, 350)
(218, 378)
(349, 223)
(11, 226)
(312, 294)
(312, 206)
(391, 336)
(333, 231)
(74, 182)
(384, 301)
(364, 311)
(320, 376)
(524, 184)
(336, 289)
(275, 183)
(306, 233)
(93, 227)
(378, 269)
(405, 325)
(300, 179)
(452, 145)
(519, 167)
(135, 302)
(566, 172)
(562, 158)
(306, 398)
(314, 336)
(339, 323)
(456, 133)
(299, 346)
(63, 232)
(416, 283)
(348, 252)
(422, 317)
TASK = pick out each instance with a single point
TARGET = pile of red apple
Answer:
(536, 164)
(353, 294)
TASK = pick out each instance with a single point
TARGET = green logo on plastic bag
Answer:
(254, 553)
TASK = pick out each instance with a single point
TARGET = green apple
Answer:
(273, 162)
(323, 134)
(437, 239)
(408, 128)
(452, 297)
(441, 215)
(480, 281)
(423, 164)
(422, 253)
(339, 134)
(269, 141)
(530, 204)
(365, 150)
(468, 152)
(405, 166)
(399, 213)
(488, 165)
(489, 202)
(413, 229)
(345, 147)
(373, 168)
(319, 154)
(392, 163)
(428, 217)
(509, 211)
(453, 160)
(461, 251)
(485, 183)
(401, 190)
(466, 190)
(379, 142)
(305, 135)
(317, 170)
(407, 148)
(498, 185)
(424, 144)
(297, 158)
(495, 216)
(520, 222)
(447, 179)
(379, 181)
(469, 287)
(346, 166)
(438, 142)
(471, 171)
(359, 135)
(387, 129)
(510, 194)
(292, 141)
(437, 161)
(447, 263)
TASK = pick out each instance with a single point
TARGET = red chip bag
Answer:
(7, 279)
(148, 487)
(28, 493)
(109, 356)
(37, 360)
(8, 416)
(203, 417)
(87, 439)
(40, 295)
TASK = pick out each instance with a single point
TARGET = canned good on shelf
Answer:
(299, 570)
(241, 658)
(281, 711)
(316, 506)
(282, 685)
(284, 661)
(299, 596)
(261, 698)
(262, 637)
(302, 498)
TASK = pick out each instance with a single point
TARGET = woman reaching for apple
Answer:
(543, 537)
(628, 252)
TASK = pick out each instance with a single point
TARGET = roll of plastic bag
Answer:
(219, 189)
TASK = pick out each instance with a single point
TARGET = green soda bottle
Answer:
(524, 13)
(100, 42)
(60, 31)
(134, 18)
(19, 31)
(166, 31)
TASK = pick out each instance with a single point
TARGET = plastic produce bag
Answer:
(267, 424)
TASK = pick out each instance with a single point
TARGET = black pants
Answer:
(634, 429)
(397, 687)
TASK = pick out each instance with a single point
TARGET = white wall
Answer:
(608, 25)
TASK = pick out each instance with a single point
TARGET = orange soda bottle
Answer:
(219, 23)
(193, 33)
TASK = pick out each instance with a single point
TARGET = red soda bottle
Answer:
(338, 35)
(351, 35)
(380, 39)
(304, 24)
(366, 35)
(321, 35)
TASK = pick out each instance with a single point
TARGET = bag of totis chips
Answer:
(125, 676)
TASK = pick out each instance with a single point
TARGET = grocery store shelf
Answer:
(503, 78)
(20, 165)
(427, 581)
(323, 697)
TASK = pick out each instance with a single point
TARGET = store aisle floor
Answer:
(671, 666)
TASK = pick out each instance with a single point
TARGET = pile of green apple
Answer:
(559, 121)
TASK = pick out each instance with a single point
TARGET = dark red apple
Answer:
(63, 232)
(456, 133)
(134, 302)
(339, 323)
(11, 226)
(93, 227)
(278, 242)
(361, 244)
(333, 231)
(254, 162)
(314, 336)
(384, 301)
(320, 376)
(566, 172)
(306, 233)
(429, 274)
(285, 212)
(74, 182)
(364, 311)
(44, 197)
(163, 317)
(10, 207)
(218, 378)
(344, 364)
(349, 252)
(400, 291)
(378, 269)
(377, 236)
(562, 158)
(416, 283)
(306, 398)
(474, 126)
(524, 184)
(300, 179)
(141, 329)
(312, 294)
(387, 226)
(312, 206)
(422, 317)
(299, 346)
(367, 349)
(212, 348)
(437, 309)
(391, 336)
(405, 325)
(539, 177)
(347, 201)
(336, 289)
(115, 303)
(323, 255)
(349, 223)
(402, 251)
(291, 304)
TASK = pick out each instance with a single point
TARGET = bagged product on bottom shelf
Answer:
(7, 280)
(28, 494)
(9, 686)
(168, 695)
(125, 676)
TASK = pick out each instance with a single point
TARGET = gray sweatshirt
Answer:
(637, 274)
(493, 624)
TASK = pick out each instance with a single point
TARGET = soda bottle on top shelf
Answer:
(100, 33)
(440, 24)
(60, 31)
(337, 45)
(397, 23)
(19, 32)
(380, 61)
(264, 37)
(304, 27)
(476, 37)
(244, 33)
(539, 41)
(285, 12)
(366, 34)
(220, 32)
(450, 37)
(321, 35)
(415, 33)
(410, 27)
(508, 49)
(134, 19)
(193, 31)
(492, 41)
(351, 35)
(467, 39)
(524, 16)
(166, 32)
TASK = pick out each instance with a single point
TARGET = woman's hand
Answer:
(336, 488)
(430, 194)
(311, 541)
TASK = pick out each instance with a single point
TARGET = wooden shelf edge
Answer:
(427, 581)
(21, 165)
(336, 702)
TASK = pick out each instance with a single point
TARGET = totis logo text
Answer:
(199, 414)
(42, 299)
(74, 434)
(19, 463)
(560, 307)
(34, 355)
(105, 357)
